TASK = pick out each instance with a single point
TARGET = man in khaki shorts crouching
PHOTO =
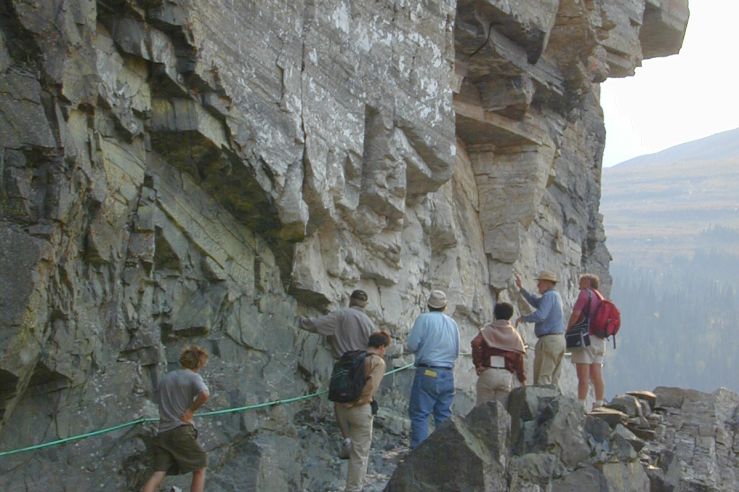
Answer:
(175, 449)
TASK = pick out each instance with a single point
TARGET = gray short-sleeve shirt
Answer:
(177, 390)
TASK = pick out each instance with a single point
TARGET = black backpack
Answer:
(348, 378)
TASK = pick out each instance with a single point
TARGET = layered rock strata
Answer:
(185, 171)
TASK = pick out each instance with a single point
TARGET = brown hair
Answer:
(379, 339)
(193, 357)
(503, 311)
(592, 279)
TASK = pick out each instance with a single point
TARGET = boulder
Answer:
(628, 404)
(627, 477)
(524, 405)
(584, 479)
(646, 396)
(474, 450)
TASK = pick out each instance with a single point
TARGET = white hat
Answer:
(545, 275)
(437, 299)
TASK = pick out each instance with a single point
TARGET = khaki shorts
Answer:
(592, 354)
(177, 451)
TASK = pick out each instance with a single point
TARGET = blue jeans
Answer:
(432, 392)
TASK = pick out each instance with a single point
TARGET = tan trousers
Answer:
(358, 421)
(493, 384)
(550, 350)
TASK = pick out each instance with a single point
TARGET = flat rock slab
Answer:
(613, 417)
(647, 396)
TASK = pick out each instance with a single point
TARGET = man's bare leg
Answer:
(198, 480)
(152, 485)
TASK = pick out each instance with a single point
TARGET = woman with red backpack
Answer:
(588, 360)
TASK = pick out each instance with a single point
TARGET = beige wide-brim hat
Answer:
(437, 299)
(545, 275)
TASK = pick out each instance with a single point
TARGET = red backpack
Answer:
(606, 320)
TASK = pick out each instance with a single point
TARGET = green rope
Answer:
(79, 436)
(407, 366)
(260, 405)
(144, 420)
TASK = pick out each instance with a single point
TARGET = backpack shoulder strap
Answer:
(586, 311)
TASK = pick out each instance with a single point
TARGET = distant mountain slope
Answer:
(724, 145)
(673, 202)
(672, 226)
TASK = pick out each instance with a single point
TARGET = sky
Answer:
(682, 97)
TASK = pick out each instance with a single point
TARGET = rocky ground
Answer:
(389, 449)
(666, 440)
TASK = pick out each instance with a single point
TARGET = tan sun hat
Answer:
(437, 299)
(545, 275)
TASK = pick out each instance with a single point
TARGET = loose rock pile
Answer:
(671, 439)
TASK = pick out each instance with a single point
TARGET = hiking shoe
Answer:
(346, 448)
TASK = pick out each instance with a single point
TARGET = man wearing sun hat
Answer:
(434, 339)
(549, 327)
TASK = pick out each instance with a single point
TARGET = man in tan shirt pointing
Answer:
(357, 416)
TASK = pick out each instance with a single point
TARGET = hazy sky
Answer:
(682, 97)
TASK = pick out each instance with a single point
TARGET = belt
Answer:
(433, 367)
(549, 335)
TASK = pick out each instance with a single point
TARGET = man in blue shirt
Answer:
(434, 339)
(549, 328)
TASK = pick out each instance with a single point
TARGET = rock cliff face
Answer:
(193, 171)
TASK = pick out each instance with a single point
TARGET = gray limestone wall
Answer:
(193, 171)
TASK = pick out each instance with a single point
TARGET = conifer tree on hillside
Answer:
(678, 326)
